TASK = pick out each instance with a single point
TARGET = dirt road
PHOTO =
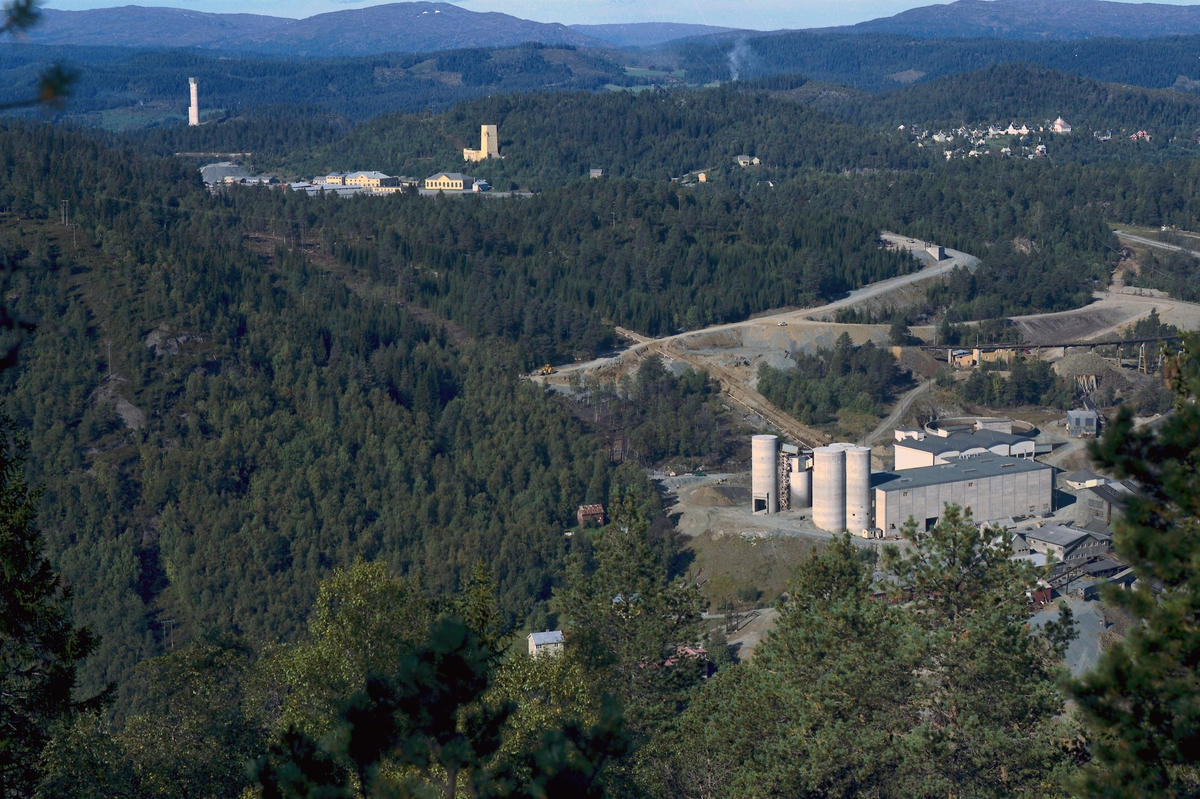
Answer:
(880, 432)
(1158, 245)
(794, 324)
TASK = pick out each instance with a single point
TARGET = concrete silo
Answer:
(829, 488)
(801, 483)
(858, 489)
(764, 474)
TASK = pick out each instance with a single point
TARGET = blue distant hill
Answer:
(647, 34)
(1038, 19)
(395, 27)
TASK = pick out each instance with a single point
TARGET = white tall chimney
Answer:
(194, 110)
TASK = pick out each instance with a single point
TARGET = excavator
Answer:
(546, 370)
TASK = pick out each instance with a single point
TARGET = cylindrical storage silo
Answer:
(764, 474)
(829, 488)
(801, 488)
(858, 489)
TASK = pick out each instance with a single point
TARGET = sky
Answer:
(752, 14)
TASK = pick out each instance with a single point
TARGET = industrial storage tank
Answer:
(801, 480)
(858, 489)
(829, 488)
(764, 474)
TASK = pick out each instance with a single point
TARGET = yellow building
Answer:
(489, 145)
(371, 180)
(449, 181)
(977, 357)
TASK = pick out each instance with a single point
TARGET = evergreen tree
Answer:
(432, 727)
(986, 697)
(627, 619)
(39, 647)
(1141, 702)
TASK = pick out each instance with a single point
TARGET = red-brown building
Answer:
(590, 514)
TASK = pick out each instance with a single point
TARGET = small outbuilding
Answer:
(590, 514)
(547, 643)
(1084, 479)
(1083, 424)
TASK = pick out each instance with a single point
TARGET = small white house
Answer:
(549, 643)
(1061, 126)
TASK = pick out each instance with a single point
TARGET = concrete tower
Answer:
(764, 474)
(489, 145)
(489, 141)
(858, 489)
(801, 482)
(194, 109)
(829, 488)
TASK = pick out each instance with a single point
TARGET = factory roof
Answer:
(972, 469)
(1115, 493)
(1083, 476)
(957, 442)
(1059, 536)
(215, 173)
(1104, 565)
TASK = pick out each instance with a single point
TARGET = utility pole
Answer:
(64, 208)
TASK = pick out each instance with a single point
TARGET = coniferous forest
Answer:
(279, 505)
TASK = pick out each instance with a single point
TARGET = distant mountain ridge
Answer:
(425, 27)
(1037, 19)
(416, 27)
(647, 34)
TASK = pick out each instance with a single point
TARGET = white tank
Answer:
(858, 489)
(801, 480)
(764, 473)
(829, 488)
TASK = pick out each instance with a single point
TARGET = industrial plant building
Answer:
(991, 487)
(916, 452)
(1083, 424)
(1068, 544)
(449, 181)
(489, 145)
(1098, 504)
(836, 482)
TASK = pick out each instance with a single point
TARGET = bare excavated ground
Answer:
(1072, 325)
(1105, 318)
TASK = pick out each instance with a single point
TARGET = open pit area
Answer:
(1105, 319)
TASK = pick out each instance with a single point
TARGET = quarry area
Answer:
(748, 526)
(732, 353)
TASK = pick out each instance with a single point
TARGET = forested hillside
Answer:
(550, 138)
(217, 428)
(129, 89)
(295, 483)
(680, 256)
(1004, 94)
(132, 89)
(554, 272)
(880, 61)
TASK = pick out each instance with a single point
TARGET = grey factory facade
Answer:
(991, 487)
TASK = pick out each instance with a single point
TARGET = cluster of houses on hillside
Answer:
(977, 138)
(978, 135)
